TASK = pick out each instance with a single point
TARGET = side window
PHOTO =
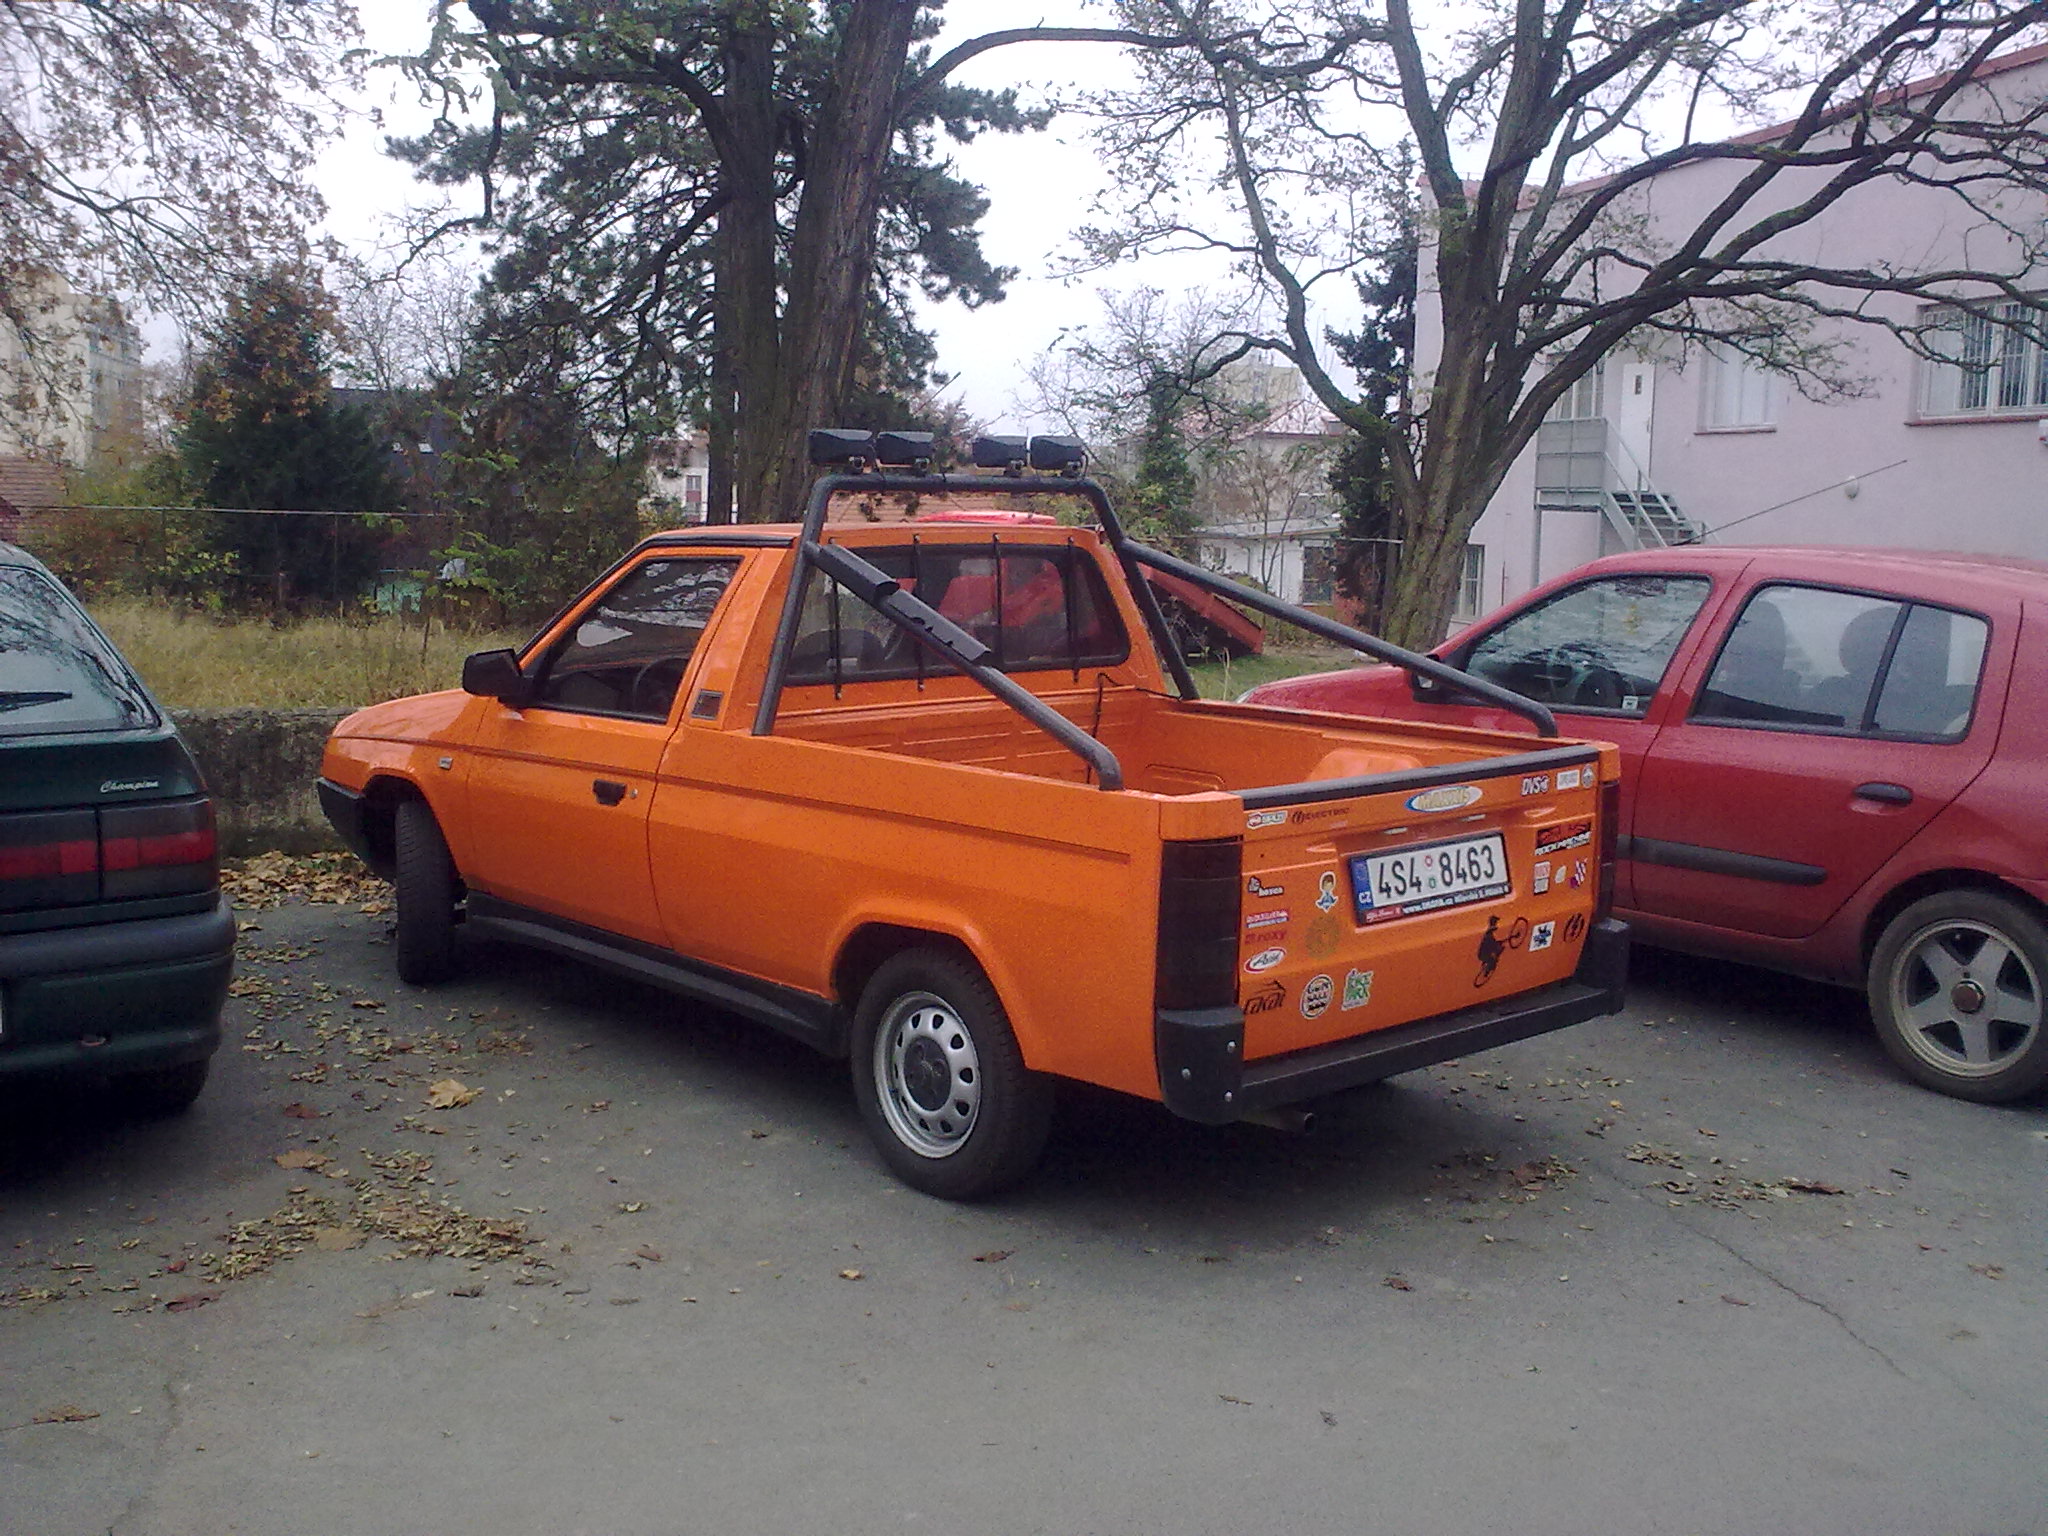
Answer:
(1818, 659)
(628, 653)
(1931, 684)
(1601, 645)
(1035, 606)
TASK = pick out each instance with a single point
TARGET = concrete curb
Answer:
(260, 765)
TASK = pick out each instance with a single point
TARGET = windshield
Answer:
(56, 673)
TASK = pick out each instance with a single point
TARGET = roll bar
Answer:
(953, 645)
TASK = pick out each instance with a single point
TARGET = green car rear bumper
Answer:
(111, 998)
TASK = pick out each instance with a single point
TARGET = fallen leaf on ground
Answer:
(1735, 1301)
(191, 1301)
(1397, 1283)
(994, 1256)
(853, 1274)
(302, 1111)
(300, 1157)
(1225, 1397)
(66, 1413)
(451, 1093)
(624, 1301)
(1812, 1187)
(651, 1255)
(1989, 1271)
(338, 1239)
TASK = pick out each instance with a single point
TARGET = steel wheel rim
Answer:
(927, 1075)
(1966, 1000)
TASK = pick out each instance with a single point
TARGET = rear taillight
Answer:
(161, 849)
(48, 859)
(1200, 894)
(1610, 841)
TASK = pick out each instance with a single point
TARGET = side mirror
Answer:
(495, 675)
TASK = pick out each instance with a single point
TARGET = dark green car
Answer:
(116, 943)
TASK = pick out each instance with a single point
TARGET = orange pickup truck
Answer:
(935, 791)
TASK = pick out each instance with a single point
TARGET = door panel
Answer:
(561, 787)
(1789, 783)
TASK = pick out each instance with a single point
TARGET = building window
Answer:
(1735, 394)
(1582, 402)
(1985, 369)
(1471, 584)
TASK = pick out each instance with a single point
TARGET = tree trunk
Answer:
(747, 309)
(832, 253)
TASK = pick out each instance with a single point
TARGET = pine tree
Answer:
(265, 434)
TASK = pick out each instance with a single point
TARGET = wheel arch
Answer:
(873, 943)
(1933, 882)
(382, 797)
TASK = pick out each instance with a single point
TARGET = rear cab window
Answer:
(57, 673)
(1036, 606)
(1821, 659)
(1603, 645)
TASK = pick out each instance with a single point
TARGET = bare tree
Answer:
(154, 150)
(1539, 126)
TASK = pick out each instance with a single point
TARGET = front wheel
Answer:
(1959, 993)
(426, 897)
(942, 1085)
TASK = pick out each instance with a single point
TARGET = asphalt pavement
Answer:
(540, 1251)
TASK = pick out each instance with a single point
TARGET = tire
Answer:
(1959, 993)
(165, 1091)
(942, 1085)
(426, 898)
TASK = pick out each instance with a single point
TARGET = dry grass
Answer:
(191, 661)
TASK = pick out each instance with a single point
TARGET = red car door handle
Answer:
(1890, 794)
(608, 791)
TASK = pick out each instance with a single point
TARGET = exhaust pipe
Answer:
(1298, 1119)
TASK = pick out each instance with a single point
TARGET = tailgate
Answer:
(1372, 903)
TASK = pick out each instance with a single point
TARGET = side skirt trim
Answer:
(817, 1021)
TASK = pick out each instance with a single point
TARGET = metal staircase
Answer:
(1649, 519)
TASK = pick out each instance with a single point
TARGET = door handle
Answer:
(1890, 794)
(608, 791)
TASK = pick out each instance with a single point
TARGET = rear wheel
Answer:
(942, 1085)
(426, 897)
(165, 1091)
(1959, 993)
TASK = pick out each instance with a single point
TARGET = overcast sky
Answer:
(1040, 187)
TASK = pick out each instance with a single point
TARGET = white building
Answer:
(73, 386)
(1662, 447)
(1262, 492)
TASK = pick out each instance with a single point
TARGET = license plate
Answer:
(1407, 881)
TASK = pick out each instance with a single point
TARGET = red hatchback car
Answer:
(1834, 763)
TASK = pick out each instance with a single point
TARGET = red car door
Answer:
(1824, 730)
(1597, 651)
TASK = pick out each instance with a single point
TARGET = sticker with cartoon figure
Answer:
(1541, 935)
(1491, 947)
(1315, 996)
(1326, 890)
(1357, 990)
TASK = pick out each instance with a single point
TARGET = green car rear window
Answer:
(57, 674)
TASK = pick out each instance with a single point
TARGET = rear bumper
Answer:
(1201, 1076)
(115, 997)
